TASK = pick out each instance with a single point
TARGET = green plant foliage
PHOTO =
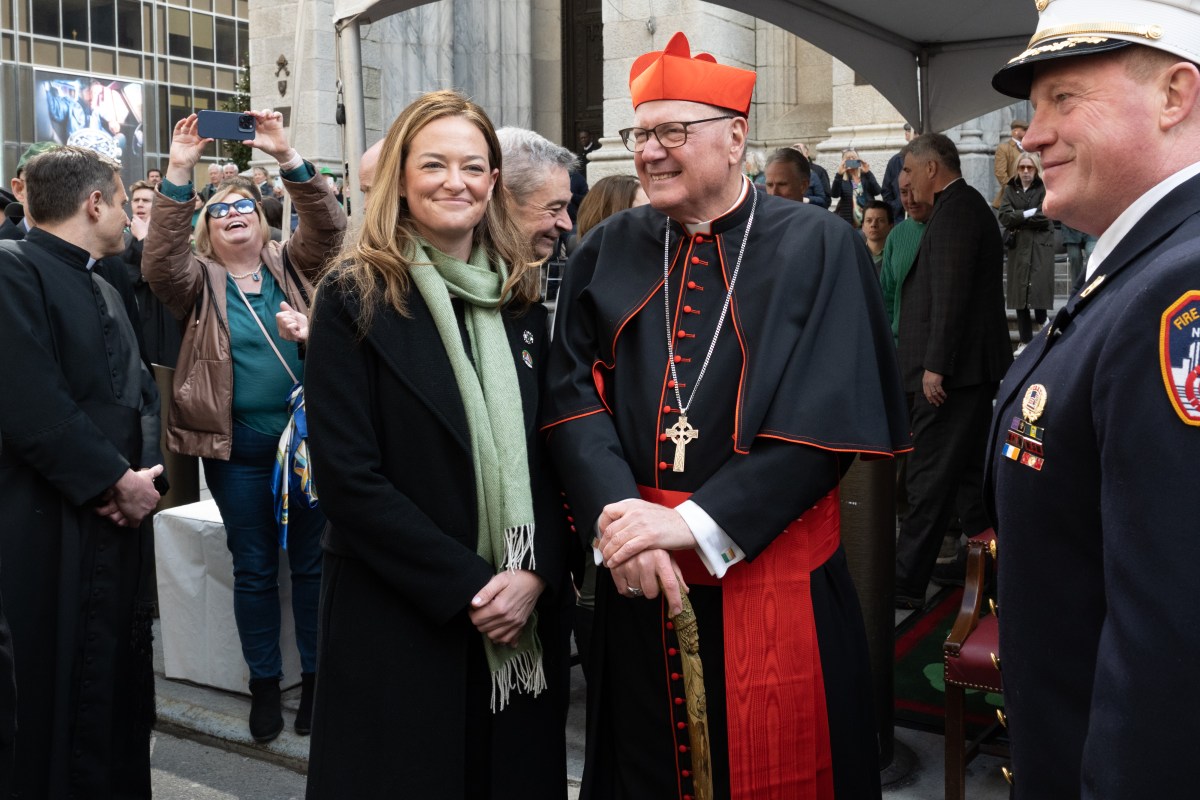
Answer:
(237, 152)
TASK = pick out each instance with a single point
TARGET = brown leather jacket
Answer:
(200, 419)
(1007, 156)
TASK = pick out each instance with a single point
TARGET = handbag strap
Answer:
(288, 269)
(266, 335)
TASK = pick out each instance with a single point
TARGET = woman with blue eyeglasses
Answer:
(229, 404)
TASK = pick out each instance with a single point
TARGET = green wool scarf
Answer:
(491, 396)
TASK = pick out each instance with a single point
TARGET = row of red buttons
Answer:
(567, 508)
(680, 725)
(663, 466)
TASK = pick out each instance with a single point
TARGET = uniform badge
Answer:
(528, 337)
(1024, 441)
(528, 359)
(1034, 402)
(1179, 356)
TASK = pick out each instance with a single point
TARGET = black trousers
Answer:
(945, 478)
(1025, 323)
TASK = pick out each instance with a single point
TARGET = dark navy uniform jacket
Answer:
(1094, 494)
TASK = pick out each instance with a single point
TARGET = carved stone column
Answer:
(491, 47)
(976, 156)
(546, 66)
(311, 92)
(403, 56)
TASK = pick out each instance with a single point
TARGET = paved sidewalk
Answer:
(218, 718)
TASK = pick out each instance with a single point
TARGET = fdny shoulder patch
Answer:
(1179, 355)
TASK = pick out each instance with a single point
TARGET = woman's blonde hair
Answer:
(378, 262)
(1037, 163)
(204, 241)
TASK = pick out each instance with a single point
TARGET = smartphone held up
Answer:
(234, 125)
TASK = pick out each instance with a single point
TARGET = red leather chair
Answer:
(971, 661)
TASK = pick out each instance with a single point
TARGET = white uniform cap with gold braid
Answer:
(1084, 27)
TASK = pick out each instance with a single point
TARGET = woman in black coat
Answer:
(854, 188)
(423, 606)
(1030, 240)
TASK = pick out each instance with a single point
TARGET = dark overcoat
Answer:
(1030, 261)
(1096, 524)
(393, 466)
(76, 587)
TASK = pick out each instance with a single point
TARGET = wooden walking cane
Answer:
(687, 631)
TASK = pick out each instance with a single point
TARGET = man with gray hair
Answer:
(81, 470)
(954, 348)
(788, 174)
(537, 174)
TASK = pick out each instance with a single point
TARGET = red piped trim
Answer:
(633, 312)
(580, 415)
(836, 447)
(598, 380)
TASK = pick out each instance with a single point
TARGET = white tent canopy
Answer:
(932, 59)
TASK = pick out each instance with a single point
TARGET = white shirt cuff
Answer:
(716, 550)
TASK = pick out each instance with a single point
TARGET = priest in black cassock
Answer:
(79, 471)
(720, 357)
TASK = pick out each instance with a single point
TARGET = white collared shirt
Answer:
(1131, 216)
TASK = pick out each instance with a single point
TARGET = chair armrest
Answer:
(979, 548)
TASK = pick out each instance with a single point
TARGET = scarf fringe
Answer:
(524, 673)
(518, 546)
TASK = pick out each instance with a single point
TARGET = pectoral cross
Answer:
(681, 433)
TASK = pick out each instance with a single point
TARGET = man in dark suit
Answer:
(819, 192)
(1092, 467)
(954, 348)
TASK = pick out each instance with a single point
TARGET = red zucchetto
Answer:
(673, 74)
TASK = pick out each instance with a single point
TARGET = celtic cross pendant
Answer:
(681, 433)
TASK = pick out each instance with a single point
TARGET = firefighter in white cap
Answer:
(1097, 425)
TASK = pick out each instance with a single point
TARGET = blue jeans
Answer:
(241, 488)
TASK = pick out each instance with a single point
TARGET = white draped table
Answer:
(195, 601)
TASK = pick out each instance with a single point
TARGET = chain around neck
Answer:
(683, 409)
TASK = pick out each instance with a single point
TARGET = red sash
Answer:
(778, 725)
